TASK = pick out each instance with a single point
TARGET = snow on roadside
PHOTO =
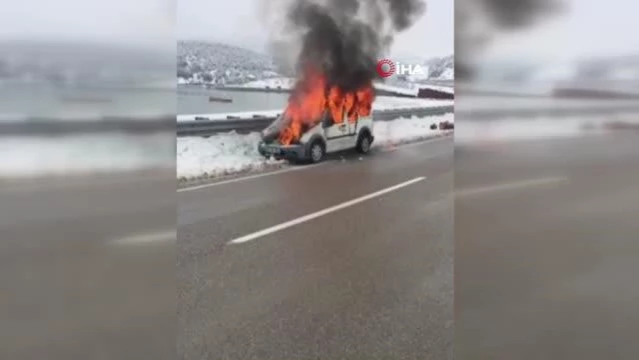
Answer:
(414, 89)
(391, 102)
(405, 130)
(231, 153)
(220, 155)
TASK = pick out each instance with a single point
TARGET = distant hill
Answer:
(215, 63)
(442, 68)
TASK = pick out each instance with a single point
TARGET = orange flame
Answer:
(313, 97)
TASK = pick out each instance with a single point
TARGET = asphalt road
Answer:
(546, 250)
(545, 260)
(369, 281)
(87, 268)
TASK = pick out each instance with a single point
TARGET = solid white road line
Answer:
(326, 211)
(147, 238)
(251, 177)
(511, 186)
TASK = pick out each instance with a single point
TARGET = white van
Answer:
(325, 138)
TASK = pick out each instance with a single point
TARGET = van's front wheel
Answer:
(364, 143)
(317, 151)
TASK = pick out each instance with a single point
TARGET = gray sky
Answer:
(236, 22)
(590, 27)
(587, 28)
(140, 22)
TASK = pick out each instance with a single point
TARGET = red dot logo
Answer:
(385, 68)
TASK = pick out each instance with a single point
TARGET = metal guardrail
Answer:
(206, 127)
(210, 127)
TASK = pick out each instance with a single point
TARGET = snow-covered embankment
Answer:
(231, 153)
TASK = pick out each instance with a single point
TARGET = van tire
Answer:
(316, 151)
(364, 142)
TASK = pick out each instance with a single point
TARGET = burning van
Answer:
(320, 119)
(328, 136)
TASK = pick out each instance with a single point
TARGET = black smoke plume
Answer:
(344, 39)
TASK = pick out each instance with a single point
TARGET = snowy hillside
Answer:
(447, 74)
(442, 68)
(215, 63)
(439, 69)
(219, 64)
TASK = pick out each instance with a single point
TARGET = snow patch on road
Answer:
(232, 153)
